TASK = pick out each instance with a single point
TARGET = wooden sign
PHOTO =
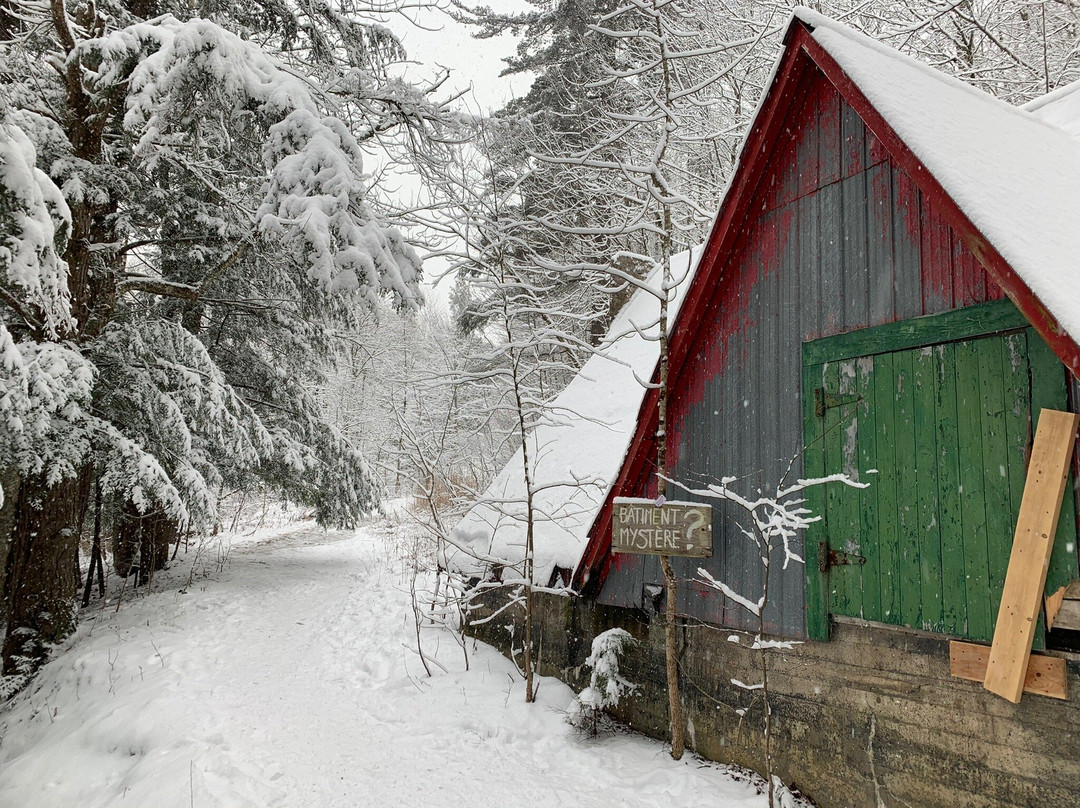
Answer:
(674, 528)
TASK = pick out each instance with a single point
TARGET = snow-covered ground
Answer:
(281, 677)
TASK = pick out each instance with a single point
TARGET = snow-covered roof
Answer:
(1014, 173)
(1060, 108)
(578, 453)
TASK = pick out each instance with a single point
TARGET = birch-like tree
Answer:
(531, 334)
(773, 523)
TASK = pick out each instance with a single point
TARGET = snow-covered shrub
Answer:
(606, 685)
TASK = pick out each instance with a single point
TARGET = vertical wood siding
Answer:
(840, 239)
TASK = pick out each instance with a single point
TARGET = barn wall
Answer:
(871, 718)
(841, 239)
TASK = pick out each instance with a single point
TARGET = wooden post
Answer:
(1025, 580)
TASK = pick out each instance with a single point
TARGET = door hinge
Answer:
(824, 401)
(827, 557)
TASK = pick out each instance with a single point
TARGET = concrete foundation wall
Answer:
(871, 718)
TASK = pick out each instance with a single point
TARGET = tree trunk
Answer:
(126, 540)
(9, 483)
(96, 561)
(141, 543)
(159, 531)
(41, 581)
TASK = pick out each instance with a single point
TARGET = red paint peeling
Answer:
(936, 261)
(881, 203)
(853, 141)
(907, 203)
(807, 155)
(968, 275)
(876, 149)
(829, 134)
(759, 258)
(1014, 287)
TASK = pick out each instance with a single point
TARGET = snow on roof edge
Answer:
(1051, 97)
(580, 455)
(1060, 108)
(816, 19)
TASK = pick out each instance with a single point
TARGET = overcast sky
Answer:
(435, 42)
(438, 41)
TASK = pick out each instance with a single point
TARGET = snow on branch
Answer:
(315, 204)
(314, 189)
(34, 222)
(740, 684)
(751, 606)
(779, 517)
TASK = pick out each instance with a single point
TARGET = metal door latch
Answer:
(826, 401)
(827, 557)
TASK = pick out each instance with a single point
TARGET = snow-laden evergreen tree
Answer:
(560, 114)
(607, 685)
(190, 226)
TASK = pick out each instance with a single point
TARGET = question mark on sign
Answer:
(699, 521)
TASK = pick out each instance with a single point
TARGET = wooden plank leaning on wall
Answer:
(1036, 526)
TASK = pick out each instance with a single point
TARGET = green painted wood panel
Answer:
(979, 622)
(883, 484)
(907, 527)
(953, 586)
(1000, 521)
(837, 509)
(866, 470)
(941, 433)
(925, 369)
(917, 332)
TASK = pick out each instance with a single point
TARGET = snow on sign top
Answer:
(578, 455)
(1014, 173)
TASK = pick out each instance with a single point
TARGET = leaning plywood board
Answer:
(1045, 675)
(1033, 541)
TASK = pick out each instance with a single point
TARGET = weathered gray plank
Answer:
(806, 276)
(831, 242)
(879, 244)
(907, 237)
(856, 278)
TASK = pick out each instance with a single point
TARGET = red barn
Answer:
(845, 264)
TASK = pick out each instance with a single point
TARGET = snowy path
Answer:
(282, 680)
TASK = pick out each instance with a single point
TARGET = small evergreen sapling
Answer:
(606, 685)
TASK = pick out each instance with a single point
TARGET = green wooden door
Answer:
(941, 434)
